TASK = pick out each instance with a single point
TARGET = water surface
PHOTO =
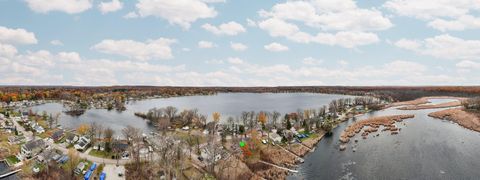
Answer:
(228, 104)
(425, 148)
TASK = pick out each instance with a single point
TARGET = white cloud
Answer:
(443, 15)
(7, 50)
(468, 64)
(459, 24)
(444, 47)
(214, 61)
(312, 61)
(339, 15)
(56, 42)
(408, 44)
(130, 15)
(231, 28)
(179, 12)
(67, 6)
(206, 44)
(275, 47)
(235, 60)
(112, 6)
(347, 39)
(238, 46)
(151, 49)
(251, 23)
(16, 36)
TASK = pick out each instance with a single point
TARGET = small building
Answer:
(82, 143)
(276, 138)
(15, 139)
(71, 138)
(48, 155)
(80, 167)
(57, 135)
(32, 148)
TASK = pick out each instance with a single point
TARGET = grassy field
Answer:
(11, 160)
(101, 154)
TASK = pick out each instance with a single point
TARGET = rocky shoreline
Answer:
(372, 125)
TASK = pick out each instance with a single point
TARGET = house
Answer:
(71, 138)
(82, 143)
(99, 146)
(119, 146)
(79, 168)
(32, 148)
(48, 155)
(39, 129)
(15, 139)
(276, 138)
(57, 135)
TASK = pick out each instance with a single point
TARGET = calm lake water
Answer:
(228, 104)
(425, 148)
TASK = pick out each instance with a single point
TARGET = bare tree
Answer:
(275, 116)
(171, 112)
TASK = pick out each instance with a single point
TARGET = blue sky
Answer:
(239, 42)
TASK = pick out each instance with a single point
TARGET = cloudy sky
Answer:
(239, 42)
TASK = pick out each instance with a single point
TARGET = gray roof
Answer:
(33, 144)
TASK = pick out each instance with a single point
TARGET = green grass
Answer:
(12, 160)
(101, 154)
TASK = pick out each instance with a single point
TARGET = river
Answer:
(228, 104)
(425, 148)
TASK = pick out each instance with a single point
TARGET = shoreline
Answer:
(460, 116)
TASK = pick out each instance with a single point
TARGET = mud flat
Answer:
(373, 125)
(459, 116)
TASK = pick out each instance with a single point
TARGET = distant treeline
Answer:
(392, 93)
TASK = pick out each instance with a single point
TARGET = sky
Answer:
(239, 42)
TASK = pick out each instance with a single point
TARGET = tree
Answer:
(275, 116)
(83, 129)
(108, 139)
(216, 116)
(130, 134)
(92, 131)
(171, 112)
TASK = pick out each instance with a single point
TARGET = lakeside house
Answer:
(32, 148)
(71, 138)
(15, 139)
(57, 135)
(275, 137)
(82, 143)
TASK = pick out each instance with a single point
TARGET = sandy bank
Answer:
(458, 115)
(372, 125)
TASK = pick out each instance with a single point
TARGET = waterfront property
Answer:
(32, 148)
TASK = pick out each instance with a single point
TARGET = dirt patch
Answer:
(372, 125)
(460, 116)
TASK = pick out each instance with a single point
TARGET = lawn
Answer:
(11, 160)
(101, 154)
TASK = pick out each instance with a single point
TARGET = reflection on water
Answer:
(425, 148)
(228, 104)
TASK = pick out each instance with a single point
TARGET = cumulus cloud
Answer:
(151, 49)
(275, 47)
(67, 6)
(112, 6)
(444, 47)
(206, 44)
(16, 36)
(231, 28)
(178, 12)
(56, 42)
(312, 61)
(238, 46)
(445, 15)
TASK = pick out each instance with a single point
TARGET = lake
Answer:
(228, 104)
(425, 148)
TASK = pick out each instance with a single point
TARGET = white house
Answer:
(32, 148)
(82, 143)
